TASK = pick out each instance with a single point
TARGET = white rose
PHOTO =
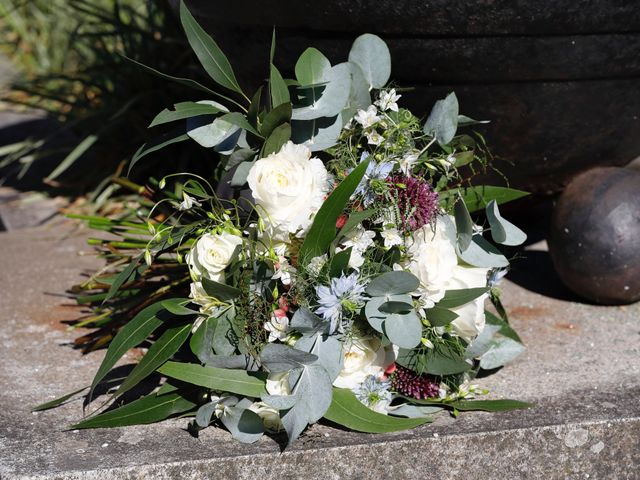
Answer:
(212, 253)
(433, 258)
(278, 384)
(290, 187)
(363, 357)
(471, 319)
(270, 416)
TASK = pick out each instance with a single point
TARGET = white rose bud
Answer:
(212, 253)
(290, 188)
(363, 357)
(278, 384)
(471, 319)
(270, 416)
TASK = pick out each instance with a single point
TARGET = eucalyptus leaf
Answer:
(311, 67)
(439, 317)
(317, 134)
(505, 328)
(359, 96)
(464, 121)
(404, 330)
(204, 414)
(281, 358)
(481, 253)
(334, 97)
(307, 322)
(392, 283)
(464, 224)
(372, 55)
(240, 174)
(442, 122)
(503, 231)
(223, 337)
(243, 424)
(502, 350)
(327, 348)
(209, 134)
(482, 343)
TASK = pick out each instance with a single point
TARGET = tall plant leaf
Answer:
(234, 381)
(206, 49)
(184, 110)
(149, 409)
(160, 352)
(348, 411)
(323, 229)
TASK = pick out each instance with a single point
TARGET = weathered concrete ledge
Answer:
(582, 370)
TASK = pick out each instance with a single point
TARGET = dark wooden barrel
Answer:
(559, 79)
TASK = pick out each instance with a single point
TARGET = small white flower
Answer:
(277, 326)
(408, 161)
(359, 240)
(388, 100)
(316, 264)
(374, 138)
(391, 237)
(367, 118)
(188, 203)
(284, 271)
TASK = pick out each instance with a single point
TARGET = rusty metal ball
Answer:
(594, 238)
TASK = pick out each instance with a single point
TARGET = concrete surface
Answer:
(582, 369)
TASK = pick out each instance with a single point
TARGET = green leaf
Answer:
(57, 401)
(208, 52)
(239, 120)
(372, 55)
(392, 283)
(334, 97)
(442, 122)
(122, 277)
(464, 121)
(235, 381)
(405, 330)
(149, 409)
(503, 231)
(502, 350)
(311, 67)
(278, 88)
(348, 411)
(162, 141)
(244, 425)
(323, 229)
(220, 291)
(478, 197)
(439, 317)
(282, 358)
(277, 139)
(464, 224)
(481, 253)
(132, 334)
(505, 328)
(457, 298)
(163, 349)
(318, 134)
(201, 342)
(184, 110)
(176, 306)
(71, 158)
(355, 219)
(340, 263)
(276, 117)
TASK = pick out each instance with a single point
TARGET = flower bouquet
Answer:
(334, 271)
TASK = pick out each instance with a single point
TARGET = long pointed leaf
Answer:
(131, 335)
(348, 411)
(323, 229)
(234, 381)
(70, 159)
(184, 110)
(160, 352)
(149, 409)
(57, 401)
(161, 142)
(206, 49)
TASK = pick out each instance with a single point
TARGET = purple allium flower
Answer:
(409, 383)
(345, 292)
(417, 202)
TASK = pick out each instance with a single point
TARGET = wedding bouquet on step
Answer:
(330, 269)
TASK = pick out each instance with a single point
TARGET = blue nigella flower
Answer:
(343, 292)
(374, 393)
(375, 171)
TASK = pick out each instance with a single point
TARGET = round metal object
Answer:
(594, 238)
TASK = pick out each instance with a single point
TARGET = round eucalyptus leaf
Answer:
(372, 55)
(311, 67)
(404, 330)
(503, 231)
(393, 283)
(334, 97)
(209, 134)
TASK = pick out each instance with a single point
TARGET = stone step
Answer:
(581, 369)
